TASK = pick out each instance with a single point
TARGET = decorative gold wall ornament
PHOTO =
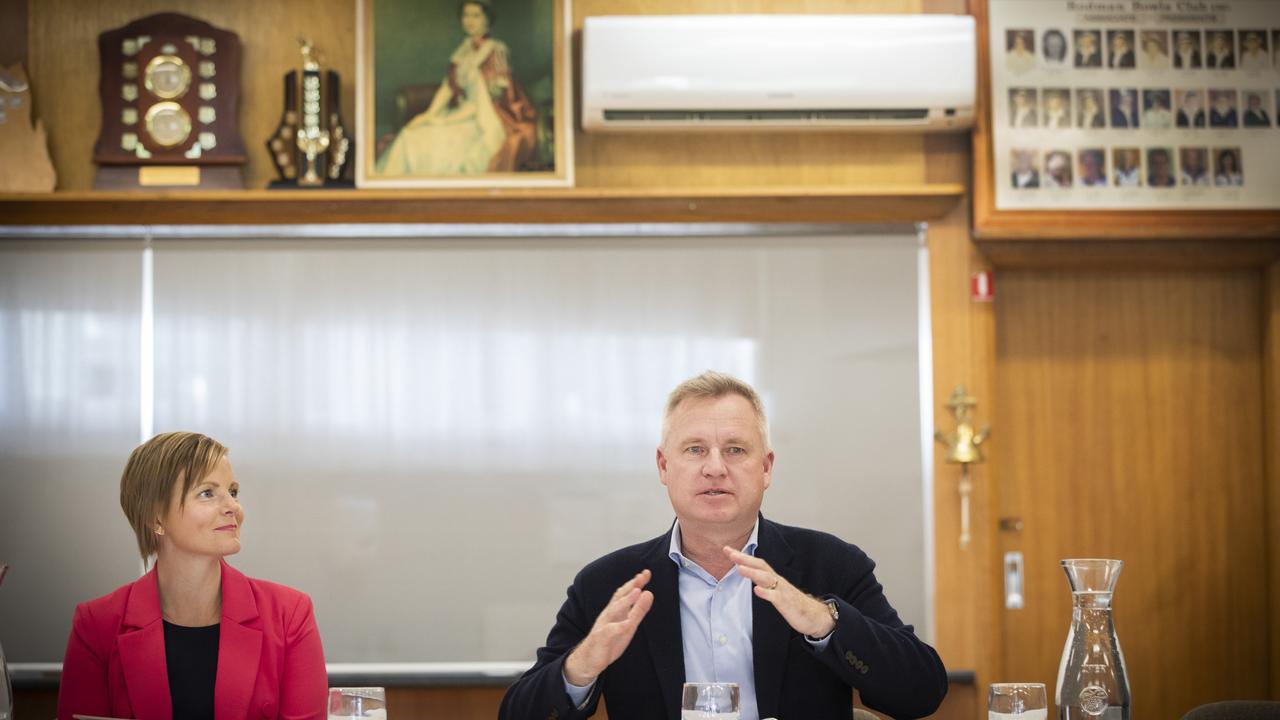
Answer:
(964, 447)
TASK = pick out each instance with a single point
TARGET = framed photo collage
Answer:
(1135, 104)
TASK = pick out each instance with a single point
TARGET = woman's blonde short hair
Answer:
(712, 384)
(153, 469)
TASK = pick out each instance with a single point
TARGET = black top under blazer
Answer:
(871, 650)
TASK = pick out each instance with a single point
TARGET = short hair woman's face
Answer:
(475, 21)
(207, 521)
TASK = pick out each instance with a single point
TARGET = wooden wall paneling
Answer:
(1131, 426)
(963, 335)
(465, 703)
(966, 579)
(64, 54)
(13, 32)
(1271, 441)
(1131, 254)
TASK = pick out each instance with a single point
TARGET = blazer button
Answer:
(865, 670)
(851, 658)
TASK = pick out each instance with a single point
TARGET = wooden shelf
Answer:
(1047, 226)
(594, 205)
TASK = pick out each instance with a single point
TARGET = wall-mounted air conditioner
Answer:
(755, 72)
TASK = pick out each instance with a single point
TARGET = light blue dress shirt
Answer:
(715, 624)
(715, 627)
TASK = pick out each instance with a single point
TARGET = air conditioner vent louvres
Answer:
(774, 73)
(764, 115)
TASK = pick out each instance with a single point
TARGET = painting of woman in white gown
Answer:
(486, 113)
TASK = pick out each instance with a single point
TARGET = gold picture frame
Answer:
(475, 94)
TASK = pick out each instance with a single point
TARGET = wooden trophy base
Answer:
(168, 177)
(327, 185)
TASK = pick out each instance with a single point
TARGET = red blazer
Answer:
(270, 663)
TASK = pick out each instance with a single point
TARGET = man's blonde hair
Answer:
(712, 384)
(154, 469)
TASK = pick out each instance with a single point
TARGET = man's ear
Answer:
(661, 460)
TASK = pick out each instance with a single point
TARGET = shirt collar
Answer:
(678, 557)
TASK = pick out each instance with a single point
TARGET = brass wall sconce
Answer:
(964, 446)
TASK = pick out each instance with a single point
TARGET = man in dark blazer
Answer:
(796, 617)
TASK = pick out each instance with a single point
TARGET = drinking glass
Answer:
(709, 701)
(1017, 701)
(357, 702)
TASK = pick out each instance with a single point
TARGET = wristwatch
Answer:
(835, 617)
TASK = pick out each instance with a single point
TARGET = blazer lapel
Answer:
(661, 627)
(141, 648)
(239, 647)
(771, 634)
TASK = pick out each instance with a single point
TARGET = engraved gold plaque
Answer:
(167, 77)
(180, 175)
(168, 124)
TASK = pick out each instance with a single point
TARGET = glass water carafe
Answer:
(1092, 683)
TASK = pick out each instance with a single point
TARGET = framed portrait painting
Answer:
(474, 93)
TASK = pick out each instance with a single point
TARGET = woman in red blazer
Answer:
(193, 638)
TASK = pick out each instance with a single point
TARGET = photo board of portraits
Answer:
(464, 94)
(1134, 105)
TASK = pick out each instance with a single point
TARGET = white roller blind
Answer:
(434, 436)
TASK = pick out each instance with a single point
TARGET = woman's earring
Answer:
(159, 530)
